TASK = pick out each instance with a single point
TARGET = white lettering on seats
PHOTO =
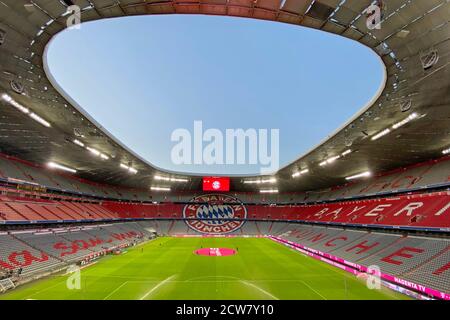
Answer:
(410, 208)
(318, 214)
(440, 212)
(374, 212)
(356, 208)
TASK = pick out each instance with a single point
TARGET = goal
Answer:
(6, 284)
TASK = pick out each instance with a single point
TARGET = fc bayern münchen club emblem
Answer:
(215, 214)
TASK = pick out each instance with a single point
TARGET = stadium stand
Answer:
(430, 174)
(439, 277)
(37, 251)
(50, 219)
(16, 254)
(421, 210)
(418, 211)
(422, 260)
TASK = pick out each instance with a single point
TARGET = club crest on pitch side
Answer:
(211, 214)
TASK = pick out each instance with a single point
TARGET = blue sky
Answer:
(143, 77)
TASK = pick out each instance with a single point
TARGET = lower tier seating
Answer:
(16, 254)
(421, 260)
(424, 261)
(41, 251)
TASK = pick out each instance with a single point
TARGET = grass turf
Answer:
(166, 268)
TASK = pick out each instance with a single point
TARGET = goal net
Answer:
(6, 284)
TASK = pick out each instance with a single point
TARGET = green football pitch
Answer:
(167, 268)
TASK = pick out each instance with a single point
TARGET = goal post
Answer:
(6, 284)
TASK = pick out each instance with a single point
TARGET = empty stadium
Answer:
(363, 215)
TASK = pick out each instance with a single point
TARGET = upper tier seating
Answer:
(419, 211)
(430, 210)
(24, 209)
(429, 174)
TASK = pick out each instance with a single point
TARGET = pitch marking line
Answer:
(259, 289)
(157, 287)
(44, 290)
(115, 290)
(312, 289)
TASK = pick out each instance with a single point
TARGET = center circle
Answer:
(215, 252)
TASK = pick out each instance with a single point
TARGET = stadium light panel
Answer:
(386, 131)
(93, 151)
(15, 104)
(78, 142)
(381, 134)
(346, 152)
(160, 188)
(333, 159)
(157, 177)
(328, 161)
(54, 165)
(7, 98)
(268, 191)
(411, 117)
(360, 175)
(130, 169)
(133, 170)
(260, 181)
(299, 173)
(40, 120)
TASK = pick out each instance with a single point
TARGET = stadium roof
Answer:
(408, 122)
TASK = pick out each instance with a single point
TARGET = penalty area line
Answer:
(259, 289)
(312, 289)
(157, 287)
(114, 291)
